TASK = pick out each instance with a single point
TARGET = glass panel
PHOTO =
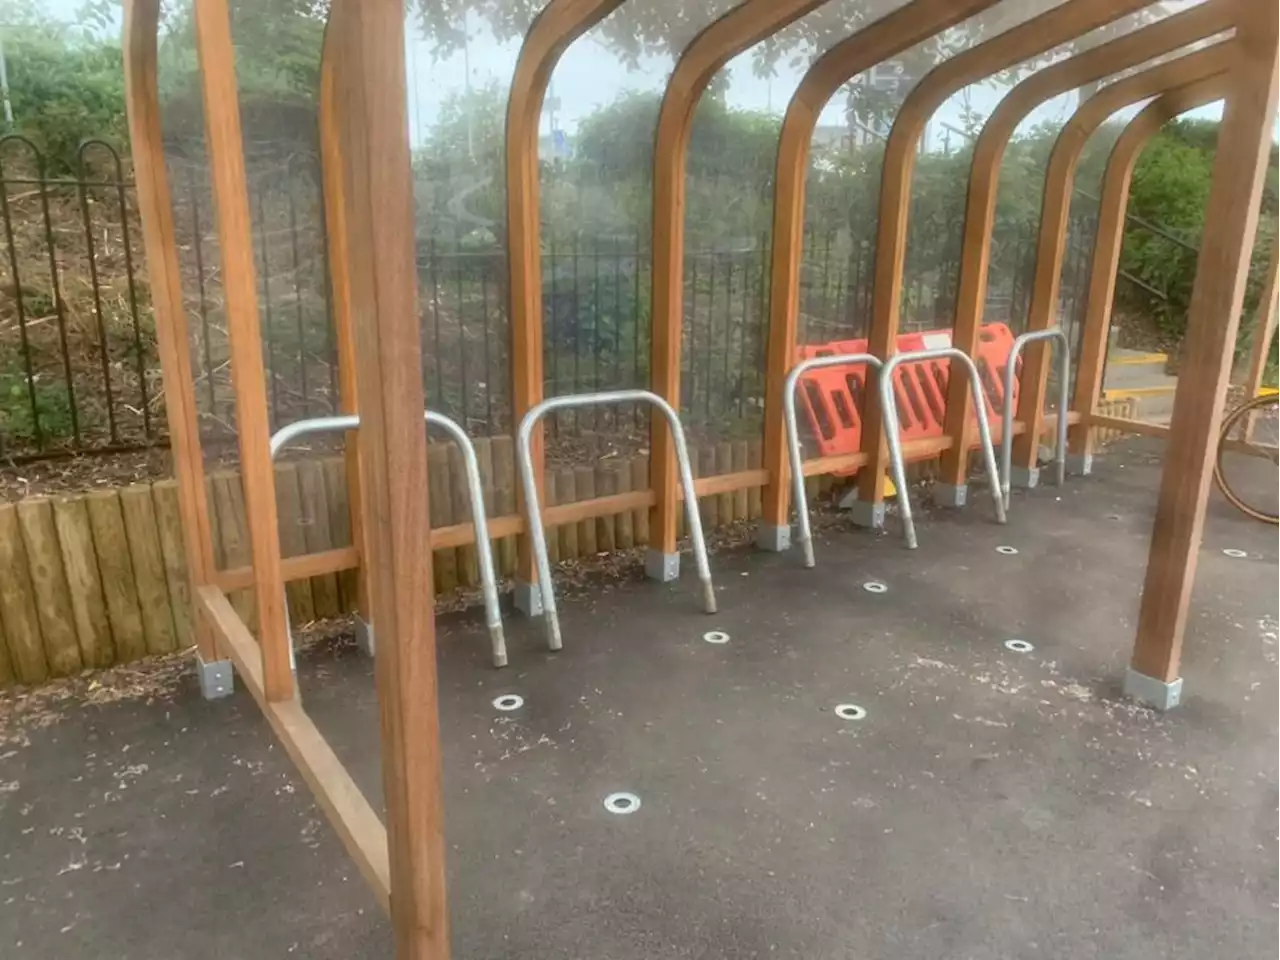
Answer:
(598, 129)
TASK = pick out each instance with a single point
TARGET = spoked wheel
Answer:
(1247, 442)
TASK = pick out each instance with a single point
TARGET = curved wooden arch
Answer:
(908, 25)
(155, 208)
(378, 206)
(338, 253)
(1213, 317)
(225, 144)
(1056, 208)
(713, 47)
(1119, 54)
(1029, 39)
(558, 24)
(1109, 242)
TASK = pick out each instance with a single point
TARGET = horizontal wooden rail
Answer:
(358, 826)
(302, 567)
(1161, 431)
(310, 565)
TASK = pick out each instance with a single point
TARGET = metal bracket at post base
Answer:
(663, 567)
(773, 538)
(364, 637)
(217, 678)
(1080, 464)
(1152, 692)
(951, 495)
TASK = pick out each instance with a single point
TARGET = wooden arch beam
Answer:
(338, 252)
(1121, 53)
(1055, 211)
(248, 374)
(379, 210)
(713, 47)
(1031, 38)
(155, 207)
(1230, 226)
(1265, 330)
(1109, 241)
(908, 25)
(558, 24)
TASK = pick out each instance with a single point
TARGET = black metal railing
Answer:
(79, 370)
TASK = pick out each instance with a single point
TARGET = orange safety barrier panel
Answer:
(834, 396)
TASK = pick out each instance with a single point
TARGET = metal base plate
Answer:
(217, 678)
(528, 599)
(948, 495)
(1152, 692)
(663, 567)
(865, 514)
(774, 539)
(364, 636)
(1079, 464)
(1024, 478)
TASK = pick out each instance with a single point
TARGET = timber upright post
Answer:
(235, 240)
(393, 467)
(155, 206)
(1244, 145)
(553, 30)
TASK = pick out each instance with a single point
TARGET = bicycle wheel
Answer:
(1245, 468)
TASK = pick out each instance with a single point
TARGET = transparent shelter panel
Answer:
(596, 142)
(460, 64)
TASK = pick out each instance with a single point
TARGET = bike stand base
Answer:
(1152, 692)
(528, 599)
(950, 495)
(1079, 464)
(364, 636)
(864, 514)
(217, 678)
(663, 567)
(1024, 478)
(774, 539)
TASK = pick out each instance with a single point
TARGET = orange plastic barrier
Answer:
(834, 397)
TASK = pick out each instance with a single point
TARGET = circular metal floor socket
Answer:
(715, 636)
(1007, 551)
(622, 803)
(1237, 554)
(850, 711)
(875, 586)
(508, 702)
(1018, 646)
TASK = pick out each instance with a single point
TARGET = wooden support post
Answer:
(337, 249)
(155, 207)
(373, 126)
(711, 49)
(558, 25)
(1239, 167)
(873, 43)
(235, 239)
(1028, 39)
(1055, 211)
(1122, 52)
(1091, 355)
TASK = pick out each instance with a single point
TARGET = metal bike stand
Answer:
(475, 489)
(793, 435)
(1006, 433)
(889, 411)
(534, 510)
